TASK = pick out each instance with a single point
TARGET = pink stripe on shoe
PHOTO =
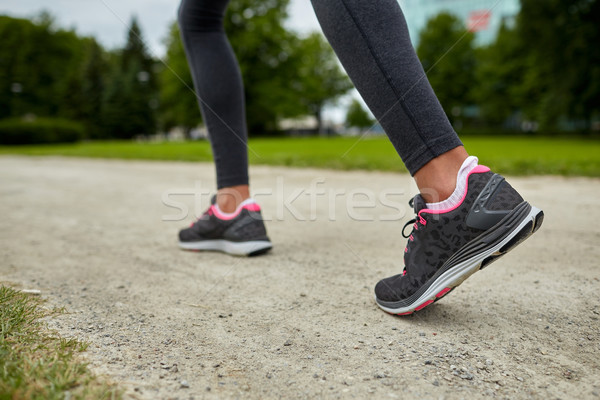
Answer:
(252, 207)
(443, 292)
(428, 302)
(229, 216)
(479, 169)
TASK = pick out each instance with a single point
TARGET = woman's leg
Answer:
(467, 216)
(220, 92)
(371, 40)
(233, 223)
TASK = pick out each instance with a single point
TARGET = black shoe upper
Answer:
(248, 225)
(437, 236)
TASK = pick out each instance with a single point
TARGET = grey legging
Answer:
(370, 38)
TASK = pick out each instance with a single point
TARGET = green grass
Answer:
(508, 155)
(35, 364)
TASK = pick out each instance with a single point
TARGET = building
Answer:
(483, 17)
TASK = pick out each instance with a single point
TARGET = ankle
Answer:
(437, 179)
(228, 199)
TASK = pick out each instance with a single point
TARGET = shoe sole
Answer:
(249, 248)
(440, 286)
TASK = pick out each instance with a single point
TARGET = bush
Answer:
(39, 130)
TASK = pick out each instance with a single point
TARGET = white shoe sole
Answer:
(226, 246)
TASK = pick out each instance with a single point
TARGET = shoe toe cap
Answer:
(187, 235)
(389, 289)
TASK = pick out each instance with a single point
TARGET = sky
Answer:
(107, 21)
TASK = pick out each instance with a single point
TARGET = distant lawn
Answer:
(508, 155)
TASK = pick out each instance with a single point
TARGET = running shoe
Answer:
(241, 233)
(445, 247)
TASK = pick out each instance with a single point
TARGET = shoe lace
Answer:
(208, 212)
(415, 222)
(421, 221)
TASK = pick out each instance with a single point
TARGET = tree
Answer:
(130, 99)
(16, 79)
(447, 54)
(319, 78)
(264, 51)
(120, 118)
(563, 64)
(357, 116)
(39, 68)
(92, 90)
(134, 54)
(500, 72)
(284, 75)
(178, 105)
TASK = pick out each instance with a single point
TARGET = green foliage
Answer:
(134, 54)
(264, 49)
(39, 130)
(357, 116)
(48, 72)
(560, 41)
(544, 70)
(319, 79)
(130, 97)
(178, 104)
(446, 50)
(92, 90)
(35, 365)
(284, 75)
(499, 76)
(37, 66)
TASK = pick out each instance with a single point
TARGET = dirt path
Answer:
(96, 237)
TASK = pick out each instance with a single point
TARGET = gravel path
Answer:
(98, 237)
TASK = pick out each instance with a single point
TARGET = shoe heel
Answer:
(528, 230)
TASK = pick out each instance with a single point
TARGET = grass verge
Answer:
(36, 365)
(508, 155)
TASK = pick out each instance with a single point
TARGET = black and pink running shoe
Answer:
(445, 247)
(241, 233)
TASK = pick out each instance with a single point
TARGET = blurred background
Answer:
(100, 70)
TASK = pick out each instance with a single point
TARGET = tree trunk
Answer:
(319, 117)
